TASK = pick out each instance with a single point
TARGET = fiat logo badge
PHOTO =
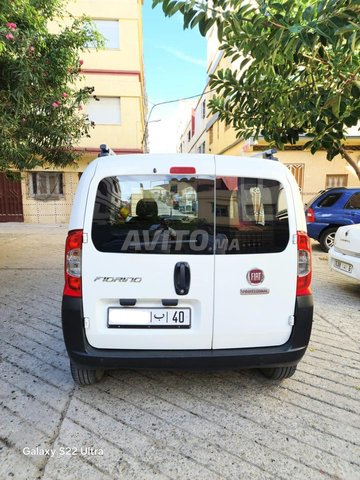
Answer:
(255, 276)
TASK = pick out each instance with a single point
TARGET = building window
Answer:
(221, 210)
(297, 169)
(111, 32)
(211, 135)
(193, 123)
(201, 148)
(44, 185)
(104, 110)
(336, 181)
(203, 109)
(354, 202)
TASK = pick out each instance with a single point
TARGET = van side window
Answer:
(158, 214)
(256, 220)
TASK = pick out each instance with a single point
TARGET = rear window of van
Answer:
(164, 214)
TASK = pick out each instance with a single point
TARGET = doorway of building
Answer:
(11, 209)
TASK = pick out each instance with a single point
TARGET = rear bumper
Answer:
(315, 229)
(82, 353)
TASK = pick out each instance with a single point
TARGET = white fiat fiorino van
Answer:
(186, 261)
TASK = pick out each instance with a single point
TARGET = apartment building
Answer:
(117, 74)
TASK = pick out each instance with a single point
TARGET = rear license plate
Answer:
(346, 267)
(149, 317)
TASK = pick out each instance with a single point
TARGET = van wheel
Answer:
(327, 239)
(278, 373)
(85, 376)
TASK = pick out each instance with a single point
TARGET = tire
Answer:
(85, 376)
(327, 238)
(278, 373)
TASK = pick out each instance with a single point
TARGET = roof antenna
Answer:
(105, 151)
(269, 154)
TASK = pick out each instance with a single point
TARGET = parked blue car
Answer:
(329, 210)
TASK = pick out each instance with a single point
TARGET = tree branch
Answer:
(350, 161)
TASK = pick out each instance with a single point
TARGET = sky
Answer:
(175, 67)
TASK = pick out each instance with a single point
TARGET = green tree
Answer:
(40, 97)
(297, 68)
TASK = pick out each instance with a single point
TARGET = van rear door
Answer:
(148, 263)
(256, 260)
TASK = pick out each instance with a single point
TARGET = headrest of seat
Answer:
(146, 207)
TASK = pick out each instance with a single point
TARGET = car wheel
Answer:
(327, 238)
(278, 373)
(85, 376)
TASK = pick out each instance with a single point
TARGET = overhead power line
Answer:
(167, 102)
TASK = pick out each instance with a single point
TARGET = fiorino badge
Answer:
(255, 277)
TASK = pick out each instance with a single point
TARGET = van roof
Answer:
(112, 162)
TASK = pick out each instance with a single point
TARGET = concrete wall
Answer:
(50, 210)
(316, 167)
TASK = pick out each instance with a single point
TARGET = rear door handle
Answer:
(182, 278)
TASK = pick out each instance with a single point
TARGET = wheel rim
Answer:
(330, 239)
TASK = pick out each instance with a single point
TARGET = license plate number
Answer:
(149, 317)
(346, 267)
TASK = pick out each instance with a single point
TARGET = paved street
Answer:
(168, 425)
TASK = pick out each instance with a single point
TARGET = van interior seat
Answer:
(147, 208)
(146, 213)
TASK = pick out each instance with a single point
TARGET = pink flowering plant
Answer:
(40, 96)
(11, 26)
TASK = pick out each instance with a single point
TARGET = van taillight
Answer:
(310, 215)
(73, 263)
(304, 264)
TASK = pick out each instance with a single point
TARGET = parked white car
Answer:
(344, 256)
